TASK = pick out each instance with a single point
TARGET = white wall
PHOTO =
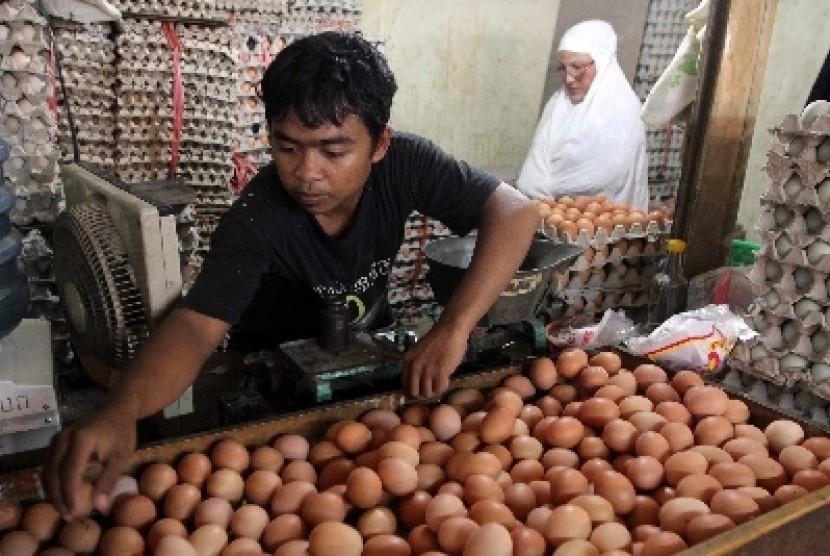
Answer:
(470, 73)
(799, 44)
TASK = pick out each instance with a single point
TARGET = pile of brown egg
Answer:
(577, 456)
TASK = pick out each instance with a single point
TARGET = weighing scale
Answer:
(512, 329)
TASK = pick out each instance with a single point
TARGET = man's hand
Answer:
(428, 364)
(108, 437)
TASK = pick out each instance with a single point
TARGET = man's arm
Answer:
(506, 227)
(161, 370)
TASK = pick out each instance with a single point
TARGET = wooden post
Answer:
(719, 133)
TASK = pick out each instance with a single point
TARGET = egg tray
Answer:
(652, 231)
(594, 303)
(793, 250)
(789, 281)
(610, 278)
(800, 221)
(805, 310)
(804, 185)
(636, 250)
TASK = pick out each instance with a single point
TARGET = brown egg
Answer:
(543, 373)
(702, 401)
(706, 526)
(520, 498)
(679, 436)
(680, 464)
(386, 545)
(441, 507)
(599, 509)
(698, 485)
(737, 506)
(121, 541)
(769, 474)
(224, 483)
(610, 536)
(491, 538)
(208, 539)
(506, 397)
(565, 484)
(647, 374)
(194, 468)
(296, 547)
(676, 514)
(498, 425)
(765, 500)
(787, 493)
(41, 520)
(242, 546)
(490, 511)
(673, 411)
(564, 393)
(266, 458)
(632, 404)
(739, 447)
(18, 542)
(661, 392)
(782, 433)
(713, 454)
(260, 485)
(647, 421)
(435, 452)
(663, 543)
(250, 520)
(617, 489)
(289, 498)
(683, 380)
(592, 378)
(217, 511)
(597, 412)
(335, 539)
(172, 545)
(156, 479)
(231, 454)
(640, 533)
(398, 477)
(81, 535)
(353, 437)
(592, 447)
(10, 514)
(380, 418)
(571, 361)
(810, 479)
(167, 526)
(751, 431)
(612, 392)
(713, 430)
(625, 380)
(520, 384)
(736, 411)
(593, 466)
(644, 472)
(335, 473)
(795, 458)
(608, 360)
(654, 444)
(567, 522)
(819, 445)
(135, 510)
(565, 432)
(297, 470)
(527, 541)
(292, 446)
(319, 507)
(281, 529)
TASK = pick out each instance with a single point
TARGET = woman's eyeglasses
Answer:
(574, 70)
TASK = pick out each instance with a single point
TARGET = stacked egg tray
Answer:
(410, 294)
(201, 10)
(145, 113)
(87, 58)
(791, 274)
(615, 268)
(27, 123)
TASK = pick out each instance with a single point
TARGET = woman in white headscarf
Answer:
(590, 139)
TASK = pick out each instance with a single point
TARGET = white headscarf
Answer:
(597, 145)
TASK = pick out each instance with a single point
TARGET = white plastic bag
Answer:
(698, 340)
(611, 330)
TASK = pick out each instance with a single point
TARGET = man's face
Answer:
(578, 71)
(325, 168)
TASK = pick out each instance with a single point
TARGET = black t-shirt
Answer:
(270, 263)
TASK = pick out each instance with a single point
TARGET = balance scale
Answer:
(511, 330)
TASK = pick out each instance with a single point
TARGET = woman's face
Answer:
(578, 71)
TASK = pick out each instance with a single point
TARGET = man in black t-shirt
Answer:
(327, 216)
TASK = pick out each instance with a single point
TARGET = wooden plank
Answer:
(720, 129)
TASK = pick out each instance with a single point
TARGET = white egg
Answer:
(772, 299)
(782, 215)
(820, 371)
(793, 361)
(817, 250)
(783, 246)
(823, 152)
(804, 307)
(757, 352)
(789, 331)
(824, 191)
(773, 271)
(813, 220)
(819, 341)
(792, 186)
(803, 278)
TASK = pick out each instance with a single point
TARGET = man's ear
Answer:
(384, 139)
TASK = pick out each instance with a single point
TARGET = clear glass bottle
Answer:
(669, 287)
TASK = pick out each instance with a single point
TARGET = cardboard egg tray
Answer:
(623, 251)
(651, 231)
(789, 281)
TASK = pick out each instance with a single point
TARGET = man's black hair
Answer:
(325, 77)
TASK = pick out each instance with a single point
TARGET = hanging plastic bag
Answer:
(698, 340)
(677, 86)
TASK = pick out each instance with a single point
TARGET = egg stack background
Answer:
(622, 247)
(791, 274)
(28, 122)
(87, 51)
